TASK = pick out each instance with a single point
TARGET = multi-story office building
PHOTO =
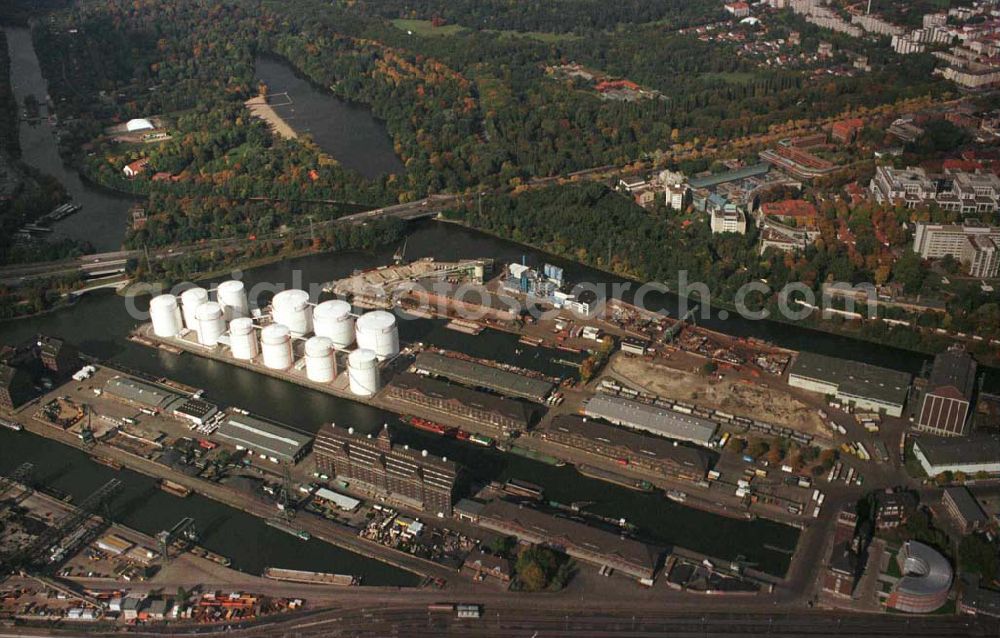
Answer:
(971, 242)
(374, 464)
(958, 191)
(981, 254)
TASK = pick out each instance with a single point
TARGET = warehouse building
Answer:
(970, 455)
(575, 539)
(926, 579)
(947, 398)
(274, 442)
(651, 419)
(57, 356)
(858, 384)
(636, 451)
(497, 415)
(145, 395)
(197, 411)
(478, 375)
(963, 507)
(374, 464)
(15, 386)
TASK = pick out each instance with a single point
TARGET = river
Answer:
(347, 132)
(101, 220)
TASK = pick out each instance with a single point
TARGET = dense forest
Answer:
(470, 109)
(552, 16)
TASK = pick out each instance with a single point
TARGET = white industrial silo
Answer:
(362, 371)
(291, 308)
(232, 296)
(333, 320)
(243, 339)
(276, 346)
(165, 315)
(190, 300)
(211, 324)
(319, 360)
(377, 331)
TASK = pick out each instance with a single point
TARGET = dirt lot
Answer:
(733, 393)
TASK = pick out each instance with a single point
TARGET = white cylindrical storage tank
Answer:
(165, 315)
(377, 331)
(319, 360)
(232, 296)
(362, 372)
(190, 300)
(211, 325)
(276, 346)
(333, 320)
(291, 308)
(243, 339)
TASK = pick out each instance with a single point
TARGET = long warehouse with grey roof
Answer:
(140, 393)
(483, 376)
(275, 442)
(859, 384)
(649, 418)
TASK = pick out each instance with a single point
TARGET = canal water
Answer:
(347, 132)
(102, 219)
(142, 505)
(98, 323)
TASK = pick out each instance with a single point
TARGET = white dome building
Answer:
(139, 124)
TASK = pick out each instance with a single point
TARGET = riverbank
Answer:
(720, 322)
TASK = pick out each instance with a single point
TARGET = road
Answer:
(102, 264)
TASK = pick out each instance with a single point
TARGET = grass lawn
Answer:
(424, 28)
(540, 36)
(734, 77)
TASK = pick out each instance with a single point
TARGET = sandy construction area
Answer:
(733, 394)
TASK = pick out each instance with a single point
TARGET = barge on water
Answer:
(534, 455)
(300, 534)
(218, 559)
(176, 489)
(106, 462)
(11, 425)
(640, 485)
(311, 578)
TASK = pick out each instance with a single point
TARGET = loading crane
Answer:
(56, 542)
(185, 531)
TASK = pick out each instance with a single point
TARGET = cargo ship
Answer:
(106, 462)
(480, 439)
(11, 425)
(639, 485)
(548, 459)
(427, 426)
(300, 534)
(176, 489)
(218, 559)
(677, 496)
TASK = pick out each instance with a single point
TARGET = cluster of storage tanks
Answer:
(331, 324)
